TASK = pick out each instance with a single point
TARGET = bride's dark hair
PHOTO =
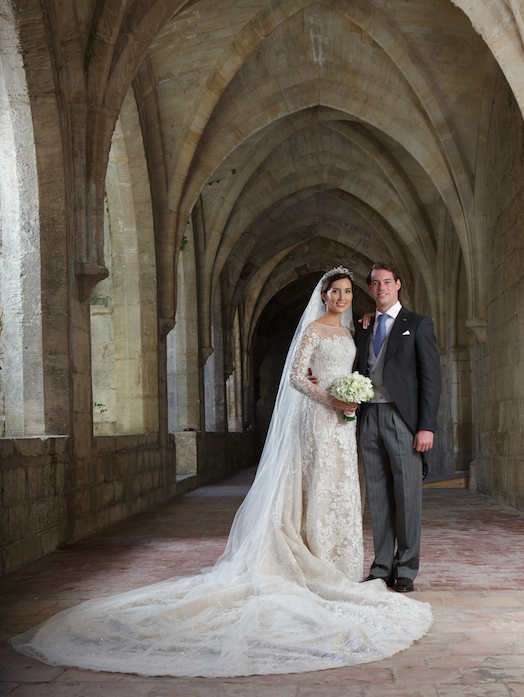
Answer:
(328, 282)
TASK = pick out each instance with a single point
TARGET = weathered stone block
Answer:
(42, 515)
(105, 444)
(30, 447)
(14, 482)
(19, 522)
(35, 479)
(7, 448)
(103, 518)
(126, 442)
(31, 549)
(13, 556)
(60, 444)
(186, 452)
(119, 490)
(106, 495)
(50, 540)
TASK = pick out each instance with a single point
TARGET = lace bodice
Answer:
(329, 352)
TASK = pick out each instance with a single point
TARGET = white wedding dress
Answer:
(286, 595)
(331, 517)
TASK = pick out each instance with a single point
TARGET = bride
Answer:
(286, 596)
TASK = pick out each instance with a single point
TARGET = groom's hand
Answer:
(312, 377)
(423, 441)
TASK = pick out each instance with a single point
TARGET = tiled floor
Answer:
(472, 574)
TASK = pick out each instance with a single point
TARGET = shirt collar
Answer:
(392, 312)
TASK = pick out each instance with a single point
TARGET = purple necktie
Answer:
(380, 334)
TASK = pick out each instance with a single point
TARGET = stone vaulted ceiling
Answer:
(356, 123)
(272, 123)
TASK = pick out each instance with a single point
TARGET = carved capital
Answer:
(478, 326)
(205, 352)
(87, 276)
(165, 325)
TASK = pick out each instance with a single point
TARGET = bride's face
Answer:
(339, 296)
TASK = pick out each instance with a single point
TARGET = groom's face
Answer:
(384, 289)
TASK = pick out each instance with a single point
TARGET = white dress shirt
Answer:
(392, 316)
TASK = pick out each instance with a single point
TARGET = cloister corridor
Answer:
(175, 178)
(472, 573)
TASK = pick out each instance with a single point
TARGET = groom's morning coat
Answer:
(411, 367)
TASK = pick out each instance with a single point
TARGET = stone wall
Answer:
(219, 454)
(453, 440)
(34, 511)
(48, 501)
(500, 361)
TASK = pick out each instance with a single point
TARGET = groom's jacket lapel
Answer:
(363, 340)
(395, 336)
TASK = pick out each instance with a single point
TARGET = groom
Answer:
(398, 351)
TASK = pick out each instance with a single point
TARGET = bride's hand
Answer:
(366, 320)
(348, 408)
(312, 378)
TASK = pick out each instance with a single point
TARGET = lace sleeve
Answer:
(299, 367)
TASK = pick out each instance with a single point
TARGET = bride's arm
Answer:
(299, 369)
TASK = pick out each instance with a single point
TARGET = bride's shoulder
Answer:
(328, 328)
(315, 326)
(314, 329)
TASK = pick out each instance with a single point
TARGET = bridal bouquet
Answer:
(352, 388)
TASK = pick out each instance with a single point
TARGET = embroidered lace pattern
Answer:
(332, 519)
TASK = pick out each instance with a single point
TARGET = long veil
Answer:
(281, 448)
(267, 606)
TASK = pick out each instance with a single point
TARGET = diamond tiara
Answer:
(334, 272)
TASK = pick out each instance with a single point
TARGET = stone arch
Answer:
(361, 12)
(123, 307)
(501, 25)
(450, 188)
(445, 183)
(310, 178)
(314, 255)
(363, 234)
(358, 175)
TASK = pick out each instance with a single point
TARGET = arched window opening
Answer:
(123, 307)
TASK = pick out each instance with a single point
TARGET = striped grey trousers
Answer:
(394, 490)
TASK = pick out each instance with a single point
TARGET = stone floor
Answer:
(472, 574)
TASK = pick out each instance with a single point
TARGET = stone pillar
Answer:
(22, 380)
(214, 378)
(182, 346)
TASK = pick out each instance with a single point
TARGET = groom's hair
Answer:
(387, 266)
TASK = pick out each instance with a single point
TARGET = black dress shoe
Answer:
(404, 585)
(389, 581)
